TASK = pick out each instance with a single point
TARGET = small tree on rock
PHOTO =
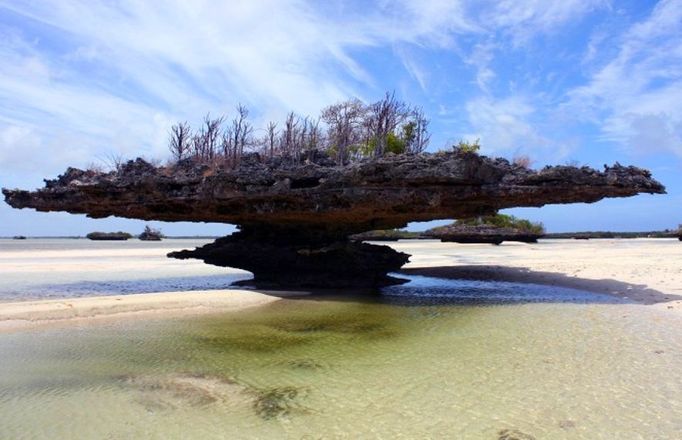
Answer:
(180, 140)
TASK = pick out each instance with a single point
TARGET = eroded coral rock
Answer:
(296, 218)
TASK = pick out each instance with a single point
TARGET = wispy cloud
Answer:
(84, 78)
(634, 98)
(511, 126)
(112, 75)
(522, 20)
(481, 56)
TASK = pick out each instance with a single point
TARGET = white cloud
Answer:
(514, 126)
(125, 70)
(433, 21)
(413, 67)
(503, 125)
(481, 56)
(523, 19)
(97, 77)
(109, 75)
(635, 97)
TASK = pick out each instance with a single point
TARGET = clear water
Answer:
(430, 359)
(69, 268)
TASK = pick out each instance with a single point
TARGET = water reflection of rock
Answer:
(287, 327)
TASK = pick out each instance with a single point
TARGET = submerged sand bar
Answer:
(22, 314)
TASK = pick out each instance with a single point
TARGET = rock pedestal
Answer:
(287, 257)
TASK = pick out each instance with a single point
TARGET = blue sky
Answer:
(562, 81)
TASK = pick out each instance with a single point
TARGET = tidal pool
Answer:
(430, 359)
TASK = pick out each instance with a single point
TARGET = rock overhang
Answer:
(378, 193)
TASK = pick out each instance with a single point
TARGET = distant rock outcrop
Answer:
(386, 235)
(150, 234)
(492, 229)
(109, 236)
(480, 234)
(297, 217)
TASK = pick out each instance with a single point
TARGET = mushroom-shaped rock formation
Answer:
(295, 218)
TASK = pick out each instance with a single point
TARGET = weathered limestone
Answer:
(295, 219)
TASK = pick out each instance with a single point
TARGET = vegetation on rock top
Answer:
(346, 131)
(505, 221)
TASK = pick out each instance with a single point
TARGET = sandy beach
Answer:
(76, 275)
(645, 271)
(30, 314)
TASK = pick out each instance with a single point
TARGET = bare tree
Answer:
(353, 129)
(180, 140)
(227, 144)
(271, 138)
(240, 133)
(314, 135)
(344, 121)
(301, 136)
(289, 135)
(212, 129)
(205, 142)
(114, 161)
(385, 116)
(197, 145)
(415, 132)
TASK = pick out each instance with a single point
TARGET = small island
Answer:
(109, 236)
(150, 234)
(387, 235)
(493, 229)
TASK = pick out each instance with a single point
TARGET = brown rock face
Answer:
(481, 234)
(314, 206)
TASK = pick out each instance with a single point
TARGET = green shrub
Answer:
(505, 221)
(394, 144)
(467, 147)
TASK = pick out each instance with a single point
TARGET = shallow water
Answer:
(429, 359)
(69, 268)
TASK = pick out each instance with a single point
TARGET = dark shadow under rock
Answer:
(636, 292)
(284, 258)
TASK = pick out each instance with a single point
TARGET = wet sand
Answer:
(641, 270)
(28, 314)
